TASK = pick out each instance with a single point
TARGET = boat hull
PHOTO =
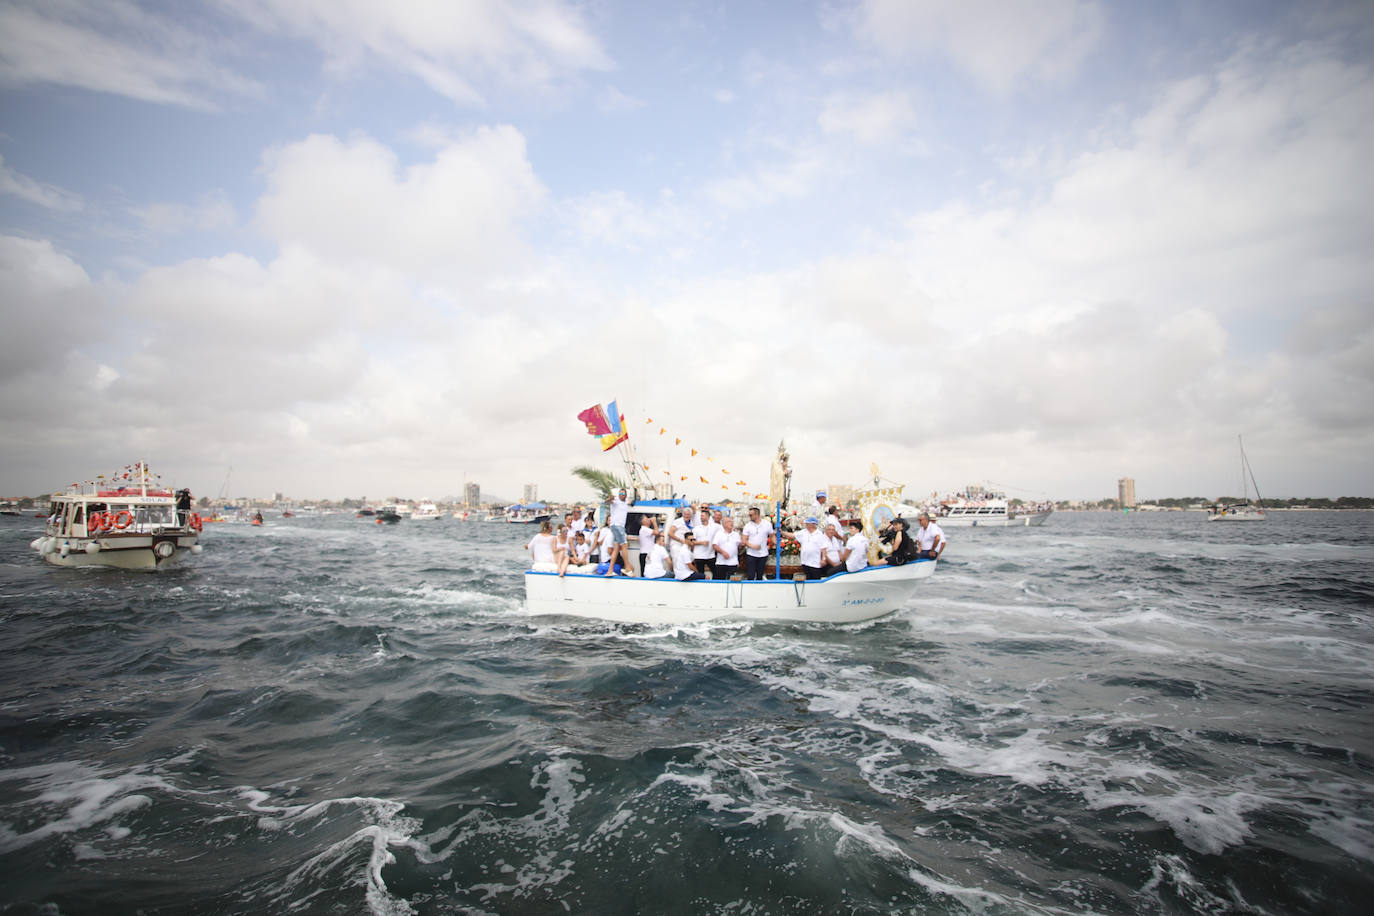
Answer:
(117, 552)
(1237, 517)
(841, 598)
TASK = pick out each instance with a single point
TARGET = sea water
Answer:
(1110, 714)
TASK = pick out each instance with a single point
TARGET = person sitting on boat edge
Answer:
(855, 552)
(617, 512)
(656, 563)
(930, 539)
(684, 570)
(899, 546)
(813, 543)
(582, 553)
(562, 549)
(758, 532)
(834, 542)
(542, 550)
(726, 546)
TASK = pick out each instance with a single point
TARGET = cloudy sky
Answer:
(353, 248)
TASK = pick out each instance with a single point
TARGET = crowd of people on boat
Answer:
(704, 543)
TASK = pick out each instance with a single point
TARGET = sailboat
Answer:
(1247, 510)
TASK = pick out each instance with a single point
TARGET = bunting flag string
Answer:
(693, 454)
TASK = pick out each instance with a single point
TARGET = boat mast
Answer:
(1246, 469)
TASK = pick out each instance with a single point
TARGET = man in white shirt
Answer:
(678, 531)
(819, 508)
(656, 561)
(703, 556)
(578, 523)
(726, 546)
(757, 531)
(683, 570)
(930, 538)
(813, 542)
(616, 514)
(648, 536)
(605, 544)
(855, 551)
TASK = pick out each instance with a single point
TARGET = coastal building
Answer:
(531, 493)
(472, 494)
(1125, 492)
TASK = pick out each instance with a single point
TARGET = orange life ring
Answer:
(95, 521)
(196, 523)
(123, 519)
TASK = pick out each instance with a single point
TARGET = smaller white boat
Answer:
(1247, 510)
(127, 527)
(979, 508)
(426, 512)
(847, 597)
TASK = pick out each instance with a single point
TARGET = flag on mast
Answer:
(617, 432)
(595, 418)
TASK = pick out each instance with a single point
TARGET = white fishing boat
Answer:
(426, 512)
(127, 527)
(980, 508)
(842, 598)
(1247, 510)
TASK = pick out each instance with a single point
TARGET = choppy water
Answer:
(1112, 714)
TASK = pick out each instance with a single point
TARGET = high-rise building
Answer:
(472, 495)
(531, 493)
(1125, 492)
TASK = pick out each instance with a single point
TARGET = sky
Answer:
(355, 249)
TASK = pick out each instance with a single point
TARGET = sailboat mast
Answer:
(1246, 469)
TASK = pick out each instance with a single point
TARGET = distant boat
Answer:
(426, 512)
(531, 514)
(986, 509)
(388, 515)
(1247, 510)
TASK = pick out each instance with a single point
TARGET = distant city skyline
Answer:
(1022, 245)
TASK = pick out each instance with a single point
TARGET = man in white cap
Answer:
(813, 543)
(819, 508)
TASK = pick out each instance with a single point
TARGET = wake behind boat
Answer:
(847, 597)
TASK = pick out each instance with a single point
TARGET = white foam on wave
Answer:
(1206, 823)
(389, 829)
(558, 777)
(76, 797)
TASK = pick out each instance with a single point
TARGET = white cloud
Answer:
(457, 215)
(112, 46)
(213, 210)
(612, 101)
(999, 44)
(870, 118)
(48, 299)
(454, 48)
(47, 196)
